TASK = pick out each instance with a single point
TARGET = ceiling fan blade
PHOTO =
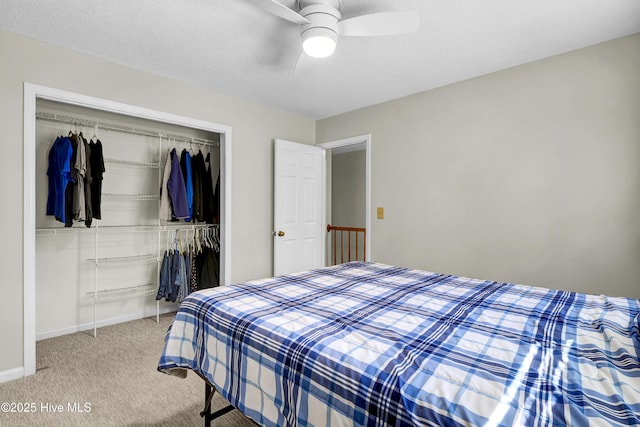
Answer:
(306, 64)
(302, 63)
(381, 24)
(280, 10)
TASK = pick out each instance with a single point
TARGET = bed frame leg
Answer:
(209, 390)
(208, 396)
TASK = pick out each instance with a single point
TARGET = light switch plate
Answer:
(380, 213)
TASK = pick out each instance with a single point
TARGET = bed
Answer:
(369, 344)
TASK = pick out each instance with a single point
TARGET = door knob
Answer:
(280, 233)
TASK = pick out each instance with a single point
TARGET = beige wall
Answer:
(528, 175)
(254, 127)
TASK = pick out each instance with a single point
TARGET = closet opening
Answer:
(86, 269)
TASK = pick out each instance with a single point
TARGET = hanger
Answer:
(212, 242)
(176, 241)
(190, 241)
(203, 237)
(197, 237)
(214, 238)
(206, 238)
(95, 133)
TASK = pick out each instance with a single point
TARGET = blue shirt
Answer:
(176, 188)
(59, 171)
(188, 181)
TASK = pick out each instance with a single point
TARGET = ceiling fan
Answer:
(321, 22)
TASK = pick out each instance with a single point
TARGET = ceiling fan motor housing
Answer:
(336, 4)
(323, 18)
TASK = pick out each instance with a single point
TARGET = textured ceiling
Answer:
(235, 48)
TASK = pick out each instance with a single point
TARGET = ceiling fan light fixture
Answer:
(319, 42)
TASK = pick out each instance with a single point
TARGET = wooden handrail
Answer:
(348, 230)
(335, 227)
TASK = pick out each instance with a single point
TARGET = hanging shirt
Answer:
(216, 201)
(97, 171)
(198, 171)
(177, 271)
(176, 188)
(165, 277)
(208, 268)
(58, 173)
(79, 207)
(72, 185)
(165, 203)
(87, 185)
(193, 272)
(183, 289)
(185, 166)
(207, 193)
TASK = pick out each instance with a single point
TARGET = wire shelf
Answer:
(52, 231)
(118, 196)
(132, 228)
(186, 226)
(126, 292)
(130, 163)
(60, 118)
(135, 259)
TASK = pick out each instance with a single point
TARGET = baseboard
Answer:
(11, 374)
(101, 323)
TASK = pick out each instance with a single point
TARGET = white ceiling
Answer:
(235, 48)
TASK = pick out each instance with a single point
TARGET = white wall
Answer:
(528, 175)
(254, 127)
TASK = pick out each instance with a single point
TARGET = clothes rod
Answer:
(120, 228)
(58, 118)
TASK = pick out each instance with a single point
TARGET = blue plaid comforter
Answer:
(378, 345)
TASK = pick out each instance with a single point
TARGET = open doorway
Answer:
(348, 209)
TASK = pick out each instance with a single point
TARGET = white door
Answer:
(298, 191)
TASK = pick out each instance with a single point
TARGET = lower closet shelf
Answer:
(125, 259)
(129, 291)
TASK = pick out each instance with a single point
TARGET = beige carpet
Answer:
(110, 380)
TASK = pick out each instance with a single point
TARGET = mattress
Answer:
(369, 344)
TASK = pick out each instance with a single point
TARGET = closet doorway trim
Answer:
(32, 92)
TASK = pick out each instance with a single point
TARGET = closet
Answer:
(109, 271)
